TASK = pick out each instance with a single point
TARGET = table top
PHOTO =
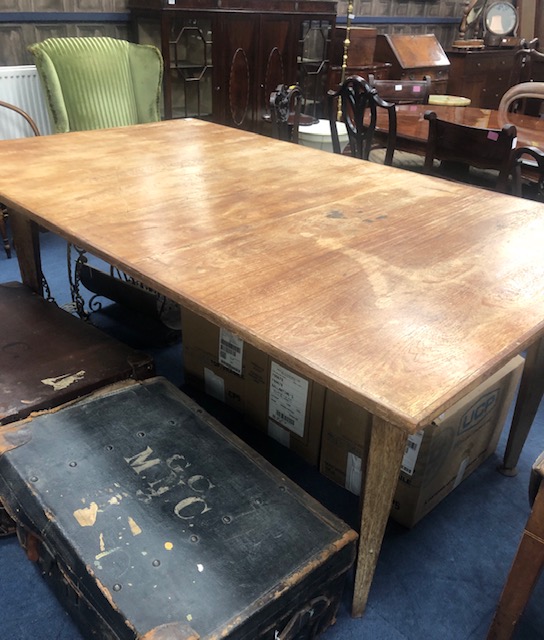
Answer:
(411, 125)
(400, 291)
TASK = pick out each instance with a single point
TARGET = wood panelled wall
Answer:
(16, 36)
(440, 17)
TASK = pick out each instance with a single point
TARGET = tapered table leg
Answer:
(530, 393)
(387, 446)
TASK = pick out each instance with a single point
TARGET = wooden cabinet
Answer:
(483, 75)
(414, 56)
(360, 59)
(223, 58)
(362, 44)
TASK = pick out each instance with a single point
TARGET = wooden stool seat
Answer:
(527, 565)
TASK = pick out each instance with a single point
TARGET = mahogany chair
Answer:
(402, 91)
(355, 103)
(285, 106)
(530, 162)
(528, 562)
(524, 62)
(27, 126)
(460, 146)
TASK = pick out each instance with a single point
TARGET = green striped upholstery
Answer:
(98, 82)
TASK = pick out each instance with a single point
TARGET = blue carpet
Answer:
(438, 581)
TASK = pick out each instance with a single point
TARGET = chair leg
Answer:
(523, 575)
(4, 231)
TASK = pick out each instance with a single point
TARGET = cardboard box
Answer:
(270, 396)
(437, 459)
(225, 367)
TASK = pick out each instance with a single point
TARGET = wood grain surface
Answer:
(402, 292)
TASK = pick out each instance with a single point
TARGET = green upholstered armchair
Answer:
(98, 82)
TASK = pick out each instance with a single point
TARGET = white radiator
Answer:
(21, 87)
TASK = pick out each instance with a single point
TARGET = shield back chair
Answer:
(460, 147)
(285, 108)
(527, 565)
(99, 83)
(355, 103)
(25, 127)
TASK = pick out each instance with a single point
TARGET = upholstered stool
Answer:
(49, 357)
(527, 564)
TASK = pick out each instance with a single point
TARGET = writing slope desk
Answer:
(402, 292)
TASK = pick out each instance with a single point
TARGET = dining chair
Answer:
(285, 107)
(527, 565)
(459, 147)
(528, 162)
(523, 63)
(355, 103)
(525, 98)
(98, 82)
(27, 126)
(402, 91)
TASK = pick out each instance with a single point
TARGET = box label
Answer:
(461, 472)
(354, 473)
(411, 452)
(279, 434)
(287, 399)
(231, 351)
(214, 385)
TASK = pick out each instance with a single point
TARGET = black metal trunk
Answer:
(151, 520)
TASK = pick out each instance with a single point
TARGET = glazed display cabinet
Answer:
(223, 58)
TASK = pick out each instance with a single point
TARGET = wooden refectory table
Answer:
(412, 134)
(399, 291)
